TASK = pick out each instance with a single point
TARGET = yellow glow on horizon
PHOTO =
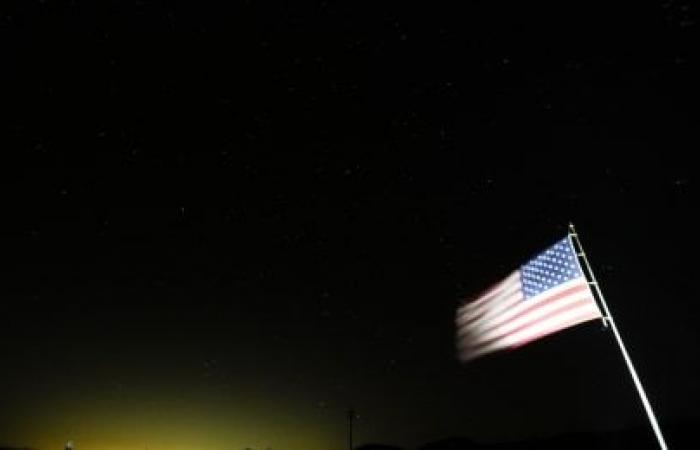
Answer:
(200, 423)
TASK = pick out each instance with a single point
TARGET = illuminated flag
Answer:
(545, 295)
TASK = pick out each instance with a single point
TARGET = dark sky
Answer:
(224, 226)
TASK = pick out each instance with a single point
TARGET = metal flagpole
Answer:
(609, 321)
(350, 417)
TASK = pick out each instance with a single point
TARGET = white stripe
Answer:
(490, 293)
(492, 325)
(588, 310)
(503, 305)
(508, 298)
(510, 286)
(531, 302)
(507, 339)
(491, 330)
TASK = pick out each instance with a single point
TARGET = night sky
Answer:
(223, 226)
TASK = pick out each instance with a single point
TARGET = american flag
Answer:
(545, 295)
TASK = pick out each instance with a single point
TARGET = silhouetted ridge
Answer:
(678, 436)
(378, 447)
(452, 443)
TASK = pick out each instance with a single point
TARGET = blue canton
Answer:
(549, 269)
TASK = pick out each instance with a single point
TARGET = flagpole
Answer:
(350, 417)
(608, 319)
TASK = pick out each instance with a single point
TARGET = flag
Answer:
(547, 294)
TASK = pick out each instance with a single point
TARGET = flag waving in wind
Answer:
(547, 294)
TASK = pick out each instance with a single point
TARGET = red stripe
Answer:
(490, 292)
(486, 310)
(563, 309)
(542, 334)
(473, 352)
(483, 306)
(565, 293)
